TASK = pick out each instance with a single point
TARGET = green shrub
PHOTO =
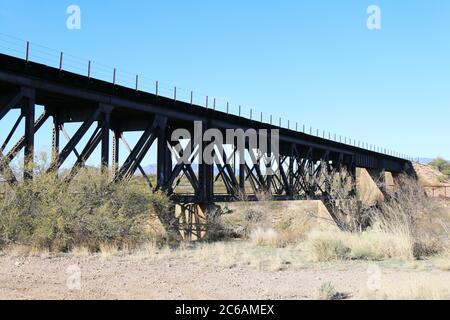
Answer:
(443, 166)
(324, 247)
(48, 213)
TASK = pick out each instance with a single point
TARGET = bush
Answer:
(326, 246)
(443, 166)
(427, 219)
(48, 213)
(368, 245)
(265, 237)
(328, 292)
(408, 225)
(440, 164)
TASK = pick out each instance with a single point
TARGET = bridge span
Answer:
(305, 161)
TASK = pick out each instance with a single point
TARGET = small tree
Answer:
(443, 166)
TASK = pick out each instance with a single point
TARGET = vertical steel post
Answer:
(164, 156)
(115, 152)
(28, 111)
(106, 118)
(27, 54)
(55, 138)
(206, 176)
(61, 61)
(242, 174)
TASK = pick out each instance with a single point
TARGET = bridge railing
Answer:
(34, 52)
(441, 191)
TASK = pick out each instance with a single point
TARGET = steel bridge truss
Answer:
(299, 172)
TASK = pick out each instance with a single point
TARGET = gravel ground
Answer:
(194, 274)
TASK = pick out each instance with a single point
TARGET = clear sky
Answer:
(314, 62)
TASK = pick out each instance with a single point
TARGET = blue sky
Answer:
(314, 62)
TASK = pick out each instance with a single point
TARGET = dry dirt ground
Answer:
(214, 271)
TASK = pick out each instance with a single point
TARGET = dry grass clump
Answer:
(241, 223)
(327, 291)
(80, 251)
(426, 220)
(419, 289)
(247, 220)
(265, 237)
(47, 213)
(238, 253)
(442, 261)
(19, 250)
(408, 225)
(327, 246)
(108, 250)
(293, 230)
(369, 245)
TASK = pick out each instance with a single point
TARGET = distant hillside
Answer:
(428, 175)
(424, 160)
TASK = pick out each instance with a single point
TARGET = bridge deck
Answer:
(70, 97)
(76, 94)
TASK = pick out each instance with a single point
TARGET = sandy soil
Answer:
(196, 274)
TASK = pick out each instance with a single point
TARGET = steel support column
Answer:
(164, 156)
(116, 152)
(105, 124)
(28, 111)
(206, 175)
(55, 137)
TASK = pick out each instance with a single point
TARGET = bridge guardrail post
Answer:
(61, 57)
(27, 53)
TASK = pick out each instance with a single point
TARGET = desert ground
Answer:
(231, 270)
(270, 250)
